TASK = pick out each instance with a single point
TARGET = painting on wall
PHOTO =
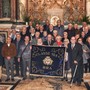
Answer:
(3, 36)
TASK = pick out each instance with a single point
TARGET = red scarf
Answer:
(59, 43)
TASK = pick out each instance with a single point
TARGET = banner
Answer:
(47, 61)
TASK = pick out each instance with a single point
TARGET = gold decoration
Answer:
(38, 8)
(48, 61)
(71, 18)
(54, 20)
(80, 18)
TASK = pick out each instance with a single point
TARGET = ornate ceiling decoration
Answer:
(72, 9)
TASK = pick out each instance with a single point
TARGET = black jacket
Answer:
(46, 43)
(1, 58)
(75, 54)
(18, 45)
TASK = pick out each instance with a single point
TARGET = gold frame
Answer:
(3, 34)
(46, 76)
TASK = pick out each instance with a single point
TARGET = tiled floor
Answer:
(47, 84)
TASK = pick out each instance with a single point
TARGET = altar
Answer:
(66, 10)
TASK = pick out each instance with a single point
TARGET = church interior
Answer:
(15, 14)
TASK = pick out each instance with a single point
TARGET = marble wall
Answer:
(88, 7)
(6, 9)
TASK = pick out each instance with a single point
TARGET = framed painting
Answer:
(3, 36)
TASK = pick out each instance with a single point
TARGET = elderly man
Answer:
(70, 31)
(9, 52)
(75, 57)
(49, 40)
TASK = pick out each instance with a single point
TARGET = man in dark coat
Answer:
(17, 43)
(84, 24)
(70, 31)
(50, 30)
(75, 57)
(1, 60)
(29, 27)
(59, 28)
(24, 33)
(46, 26)
(49, 41)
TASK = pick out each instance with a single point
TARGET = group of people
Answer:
(17, 49)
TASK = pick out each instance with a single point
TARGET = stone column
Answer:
(0, 8)
(13, 9)
(22, 6)
(27, 6)
(17, 9)
(88, 7)
(84, 4)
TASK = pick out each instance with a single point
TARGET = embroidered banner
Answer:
(47, 61)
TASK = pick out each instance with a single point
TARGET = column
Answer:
(13, 9)
(88, 7)
(27, 6)
(22, 6)
(0, 8)
(84, 4)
